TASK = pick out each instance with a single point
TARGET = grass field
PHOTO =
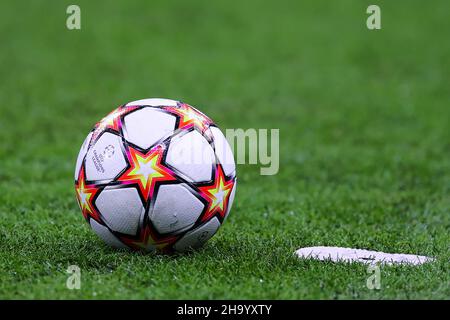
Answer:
(364, 142)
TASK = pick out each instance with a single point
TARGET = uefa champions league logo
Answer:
(108, 152)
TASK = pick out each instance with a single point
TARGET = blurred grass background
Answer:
(364, 139)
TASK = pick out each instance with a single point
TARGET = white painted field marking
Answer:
(337, 254)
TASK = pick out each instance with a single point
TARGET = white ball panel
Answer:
(146, 126)
(105, 159)
(106, 235)
(197, 237)
(192, 155)
(175, 209)
(81, 154)
(121, 209)
(223, 151)
(154, 102)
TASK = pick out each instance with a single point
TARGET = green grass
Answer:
(364, 132)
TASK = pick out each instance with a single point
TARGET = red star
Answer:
(217, 195)
(146, 170)
(149, 241)
(85, 195)
(190, 117)
(111, 121)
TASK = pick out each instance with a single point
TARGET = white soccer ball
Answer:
(155, 175)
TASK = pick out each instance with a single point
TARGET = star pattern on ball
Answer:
(217, 194)
(85, 195)
(146, 170)
(149, 241)
(111, 121)
(190, 117)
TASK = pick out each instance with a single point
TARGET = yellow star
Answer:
(217, 194)
(190, 117)
(85, 194)
(146, 170)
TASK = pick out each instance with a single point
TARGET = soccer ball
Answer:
(155, 175)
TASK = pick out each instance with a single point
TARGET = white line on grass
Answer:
(337, 254)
